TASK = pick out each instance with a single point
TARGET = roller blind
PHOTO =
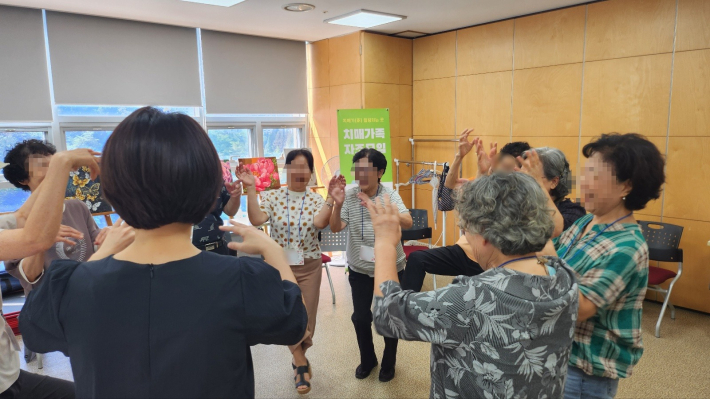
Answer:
(251, 74)
(106, 61)
(24, 84)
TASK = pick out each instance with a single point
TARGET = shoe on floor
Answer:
(386, 375)
(363, 372)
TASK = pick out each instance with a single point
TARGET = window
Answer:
(276, 139)
(10, 138)
(231, 142)
(11, 198)
(111, 110)
(101, 220)
(93, 139)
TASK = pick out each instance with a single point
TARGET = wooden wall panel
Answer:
(433, 107)
(321, 149)
(343, 97)
(550, 38)
(690, 110)
(483, 103)
(626, 28)
(435, 56)
(691, 290)
(317, 54)
(344, 59)
(319, 111)
(398, 98)
(386, 59)
(378, 95)
(687, 174)
(627, 95)
(485, 48)
(402, 150)
(693, 27)
(546, 101)
(405, 102)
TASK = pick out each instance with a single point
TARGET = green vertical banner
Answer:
(363, 128)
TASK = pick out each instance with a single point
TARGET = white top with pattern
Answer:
(273, 203)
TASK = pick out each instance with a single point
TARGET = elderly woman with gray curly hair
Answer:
(504, 333)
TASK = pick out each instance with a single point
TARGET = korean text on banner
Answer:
(363, 128)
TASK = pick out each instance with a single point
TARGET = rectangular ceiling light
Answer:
(364, 19)
(223, 3)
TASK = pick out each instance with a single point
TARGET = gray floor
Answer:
(674, 366)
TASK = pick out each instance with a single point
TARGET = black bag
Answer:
(9, 284)
(445, 196)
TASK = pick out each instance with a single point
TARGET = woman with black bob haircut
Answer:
(609, 256)
(135, 323)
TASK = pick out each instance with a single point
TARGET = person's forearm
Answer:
(32, 267)
(454, 170)
(405, 220)
(336, 223)
(24, 211)
(277, 259)
(232, 206)
(586, 308)
(385, 265)
(322, 219)
(256, 216)
(43, 222)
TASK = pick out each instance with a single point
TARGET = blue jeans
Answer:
(580, 385)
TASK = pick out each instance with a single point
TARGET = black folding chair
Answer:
(663, 241)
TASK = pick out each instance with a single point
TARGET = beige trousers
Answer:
(308, 278)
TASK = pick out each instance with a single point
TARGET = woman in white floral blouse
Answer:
(297, 215)
(505, 333)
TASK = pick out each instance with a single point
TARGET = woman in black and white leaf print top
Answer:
(505, 333)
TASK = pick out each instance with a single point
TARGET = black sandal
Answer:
(301, 371)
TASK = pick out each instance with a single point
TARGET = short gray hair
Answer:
(509, 210)
(554, 164)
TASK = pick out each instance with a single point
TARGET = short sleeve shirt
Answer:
(292, 215)
(360, 231)
(208, 230)
(9, 358)
(612, 272)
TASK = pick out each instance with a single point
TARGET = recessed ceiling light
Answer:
(364, 19)
(410, 34)
(223, 3)
(299, 7)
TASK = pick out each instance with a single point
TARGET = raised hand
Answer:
(485, 159)
(385, 218)
(102, 236)
(118, 238)
(246, 178)
(82, 157)
(336, 189)
(66, 232)
(235, 188)
(255, 241)
(465, 146)
(532, 165)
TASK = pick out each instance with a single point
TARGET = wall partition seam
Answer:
(55, 136)
(203, 113)
(581, 106)
(512, 85)
(670, 100)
